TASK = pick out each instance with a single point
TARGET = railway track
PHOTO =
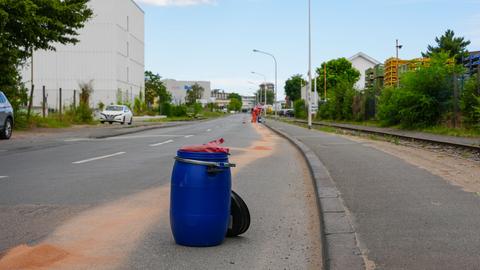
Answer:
(415, 137)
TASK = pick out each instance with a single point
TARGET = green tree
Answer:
(293, 87)
(238, 98)
(235, 105)
(194, 94)
(454, 46)
(154, 88)
(28, 25)
(338, 71)
(470, 103)
(300, 109)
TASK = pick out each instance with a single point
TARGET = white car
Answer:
(116, 113)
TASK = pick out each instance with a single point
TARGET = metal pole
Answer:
(43, 101)
(60, 101)
(30, 101)
(276, 78)
(74, 99)
(309, 89)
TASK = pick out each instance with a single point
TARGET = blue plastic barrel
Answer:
(200, 198)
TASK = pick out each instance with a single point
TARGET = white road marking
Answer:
(208, 130)
(3, 177)
(97, 158)
(162, 143)
(78, 140)
(189, 136)
(122, 138)
(143, 136)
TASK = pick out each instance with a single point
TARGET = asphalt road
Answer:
(404, 217)
(82, 203)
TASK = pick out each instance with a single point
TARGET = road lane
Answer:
(58, 193)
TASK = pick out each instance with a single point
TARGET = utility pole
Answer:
(398, 47)
(309, 88)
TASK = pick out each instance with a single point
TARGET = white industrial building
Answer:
(110, 55)
(179, 90)
(362, 62)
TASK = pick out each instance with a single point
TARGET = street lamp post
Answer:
(257, 98)
(276, 79)
(398, 47)
(309, 88)
(265, 85)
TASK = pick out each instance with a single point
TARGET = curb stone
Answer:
(339, 243)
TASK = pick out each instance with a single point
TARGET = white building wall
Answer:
(179, 89)
(101, 57)
(362, 62)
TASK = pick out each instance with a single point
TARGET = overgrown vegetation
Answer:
(424, 100)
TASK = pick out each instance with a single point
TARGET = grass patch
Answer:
(457, 132)
(53, 120)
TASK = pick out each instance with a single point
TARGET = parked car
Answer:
(116, 113)
(6, 117)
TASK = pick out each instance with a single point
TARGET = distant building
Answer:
(220, 98)
(472, 62)
(110, 55)
(219, 94)
(362, 62)
(269, 86)
(179, 90)
(248, 102)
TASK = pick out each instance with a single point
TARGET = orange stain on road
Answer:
(98, 238)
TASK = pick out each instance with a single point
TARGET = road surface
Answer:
(79, 203)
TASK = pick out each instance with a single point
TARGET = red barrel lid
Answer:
(211, 147)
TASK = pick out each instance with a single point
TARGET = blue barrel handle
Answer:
(206, 163)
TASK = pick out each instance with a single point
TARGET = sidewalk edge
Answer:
(340, 247)
(304, 150)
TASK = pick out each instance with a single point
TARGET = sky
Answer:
(212, 40)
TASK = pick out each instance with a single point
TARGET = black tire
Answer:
(240, 216)
(123, 122)
(131, 121)
(110, 123)
(102, 122)
(6, 132)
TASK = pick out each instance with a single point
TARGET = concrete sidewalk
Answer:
(402, 216)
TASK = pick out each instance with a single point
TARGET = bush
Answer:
(300, 109)
(165, 109)
(179, 111)
(424, 96)
(470, 104)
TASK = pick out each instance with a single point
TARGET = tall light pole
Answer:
(398, 47)
(309, 88)
(265, 84)
(276, 81)
(257, 99)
